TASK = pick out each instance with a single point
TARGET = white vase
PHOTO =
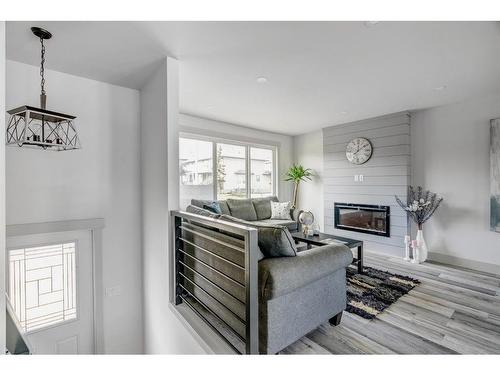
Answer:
(422, 247)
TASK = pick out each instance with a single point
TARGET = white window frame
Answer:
(247, 144)
(95, 226)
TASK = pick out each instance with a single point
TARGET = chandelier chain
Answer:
(42, 68)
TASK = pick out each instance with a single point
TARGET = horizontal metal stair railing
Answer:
(215, 273)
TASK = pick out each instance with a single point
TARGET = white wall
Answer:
(100, 180)
(203, 126)
(163, 331)
(450, 155)
(2, 189)
(308, 151)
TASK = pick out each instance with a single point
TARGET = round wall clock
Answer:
(359, 151)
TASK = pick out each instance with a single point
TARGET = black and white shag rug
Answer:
(370, 293)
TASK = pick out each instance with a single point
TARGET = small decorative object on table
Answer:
(306, 218)
(316, 229)
(421, 205)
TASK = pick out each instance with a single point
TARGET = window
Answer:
(213, 169)
(195, 170)
(261, 166)
(231, 171)
(42, 284)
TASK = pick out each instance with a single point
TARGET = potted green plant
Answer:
(296, 174)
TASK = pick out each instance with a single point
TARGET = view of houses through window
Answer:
(221, 170)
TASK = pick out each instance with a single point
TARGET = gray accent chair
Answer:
(298, 294)
(254, 210)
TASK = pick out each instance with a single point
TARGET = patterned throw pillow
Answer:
(280, 210)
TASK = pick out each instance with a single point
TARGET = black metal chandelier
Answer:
(38, 127)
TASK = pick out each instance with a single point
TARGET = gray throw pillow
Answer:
(263, 207)
(242, 209)
(274, 240)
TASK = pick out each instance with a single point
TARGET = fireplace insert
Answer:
(364, 218)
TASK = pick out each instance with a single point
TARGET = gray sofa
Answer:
(297, 292)
(255, 210)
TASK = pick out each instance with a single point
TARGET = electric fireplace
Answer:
(364, 218)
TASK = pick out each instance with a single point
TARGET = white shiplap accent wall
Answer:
(386, 174)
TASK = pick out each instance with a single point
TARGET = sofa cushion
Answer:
(263, 207)
(274, 240)
(201, 202)
(242, 209)
(290, 224)
(224, 207)
(201, 211)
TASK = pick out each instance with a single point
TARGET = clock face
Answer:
(359, 151)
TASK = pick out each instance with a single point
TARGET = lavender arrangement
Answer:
(421, 204)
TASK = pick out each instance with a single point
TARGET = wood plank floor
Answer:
(452, 311)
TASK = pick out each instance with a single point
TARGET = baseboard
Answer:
(466, 263)
(202, 333)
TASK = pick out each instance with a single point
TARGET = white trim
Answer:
(97, 276)
(15, 230)
(465, 263)
(248, 172)
(214, 173)
(207, 135)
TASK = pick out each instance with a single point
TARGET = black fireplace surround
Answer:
(364, 218)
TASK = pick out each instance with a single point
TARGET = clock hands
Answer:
(359, 149)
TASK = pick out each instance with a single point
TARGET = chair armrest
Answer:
(279, 276)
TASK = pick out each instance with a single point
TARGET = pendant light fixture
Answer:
(34, 127)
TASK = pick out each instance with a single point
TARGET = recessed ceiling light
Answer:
(371, 23)
(343, 113)
(261, 80)
(440, 88)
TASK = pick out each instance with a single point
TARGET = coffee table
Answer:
(323, 239)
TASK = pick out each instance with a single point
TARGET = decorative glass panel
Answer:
(231, 171)
(42, 284)
(261, 168)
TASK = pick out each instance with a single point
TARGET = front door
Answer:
(50, 287)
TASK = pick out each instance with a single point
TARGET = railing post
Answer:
(252, 301)
(176, 243)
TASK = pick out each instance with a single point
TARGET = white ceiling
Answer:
(319, 73)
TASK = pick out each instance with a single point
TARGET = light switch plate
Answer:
(356, 177)
(361, 178)
(113, 291)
